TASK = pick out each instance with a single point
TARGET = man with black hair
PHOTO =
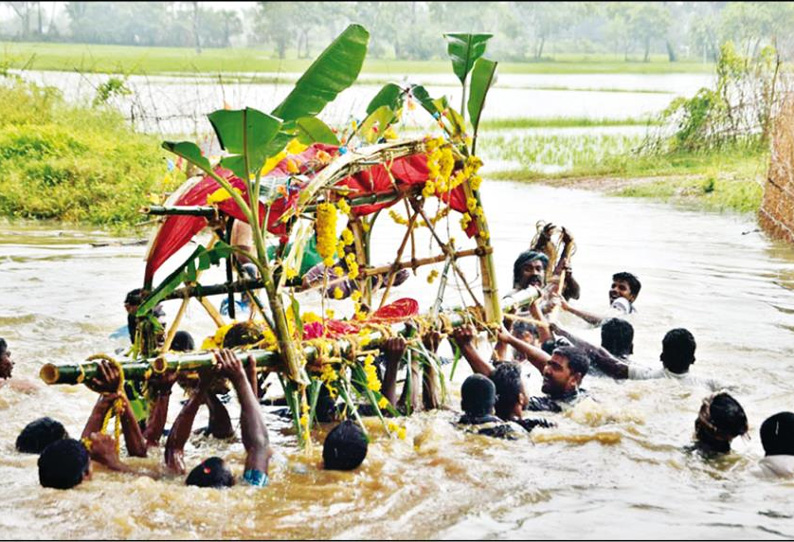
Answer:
(720, 420)
(67, 462)
(777, 438)
(562, 371)
(7, 367)
(345, 447)
(39, 434)
(183, 342)
(622, 294)
(478, 399)
(529, 269)
(213, 472)
(678, 355)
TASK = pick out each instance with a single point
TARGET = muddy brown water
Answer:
(613, 468)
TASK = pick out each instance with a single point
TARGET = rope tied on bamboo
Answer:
(117, 409)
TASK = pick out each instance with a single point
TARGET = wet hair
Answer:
(477, 395)
(211, 472)
(63, 464)
(134, 297)
(721, 419)
(345, 447)
(520, 327)
(523, 259)
(777, 434)
(548, 346)
(3, 346)
(631, 280)
(617, 337)
(183, 342)
(39, 434)
(507, 383)
(678, 350)
(578, 362)
(242, 334)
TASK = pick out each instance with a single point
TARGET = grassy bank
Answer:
(152, 60)
(72, 163)
(730, 179)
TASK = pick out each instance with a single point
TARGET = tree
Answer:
(648, 22)
(275, 24)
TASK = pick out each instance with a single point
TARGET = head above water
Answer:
(529, 269)
(525, 331)
(64, 464)
(39, 434)
(511, 396)
(6, 365)
(243, 334)
(720, 420)
(183, 342)
(678, 350)
(345, 447)
(211, 472)
(777, 434)
(477, 396)
(564, 372)
(624, 285)
(617, 337)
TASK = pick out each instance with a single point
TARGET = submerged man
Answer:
(7, 367)
(622, 294)
(213, 472)
(478, 399)
(720, 420)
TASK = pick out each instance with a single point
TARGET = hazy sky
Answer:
(48, 7)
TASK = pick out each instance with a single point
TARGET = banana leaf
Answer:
(245, 133)
(334, 70)
(464, 50)
(481, 78)
(313, 130)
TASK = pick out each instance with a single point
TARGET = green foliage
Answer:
(72, 163)
(244, 133)
(111, 88)
(464, 50)
(313, 130)
(481, 79)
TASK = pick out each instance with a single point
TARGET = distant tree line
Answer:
(525, 31)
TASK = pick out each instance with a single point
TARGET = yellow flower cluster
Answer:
(329, 375)
(397, 217)
(372, 374)
(465, 220)
(347, 237)
(352, 266)
(344, 206)
(397, 429)
(432, 276)
(290, 272)
(325, 228)
(338, 293)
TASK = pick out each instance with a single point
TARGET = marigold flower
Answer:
(338, 293)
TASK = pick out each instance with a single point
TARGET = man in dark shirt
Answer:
(562, 371)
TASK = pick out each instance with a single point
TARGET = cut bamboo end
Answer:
(49, 373)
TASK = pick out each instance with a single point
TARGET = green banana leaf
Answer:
(391, 94)
(245, 133)
(383, 117)
(313, 130)
(334, 70)
(481, 78)
(189, 151)
(201, 260)
(464, 50)
(420, 93)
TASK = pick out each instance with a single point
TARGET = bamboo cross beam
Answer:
(420, 262)
(76, 373)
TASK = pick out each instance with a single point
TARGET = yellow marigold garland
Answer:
(325, 228)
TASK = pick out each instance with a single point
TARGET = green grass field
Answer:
(152, 60)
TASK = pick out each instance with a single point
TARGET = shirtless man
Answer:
(7, 367)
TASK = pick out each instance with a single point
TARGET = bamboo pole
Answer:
(76, 373)
(394, 268)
